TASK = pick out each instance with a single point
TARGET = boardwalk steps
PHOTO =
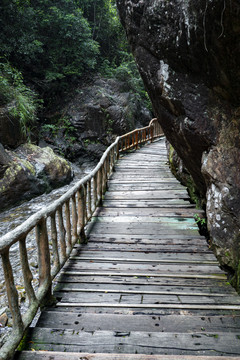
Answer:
(146, 286)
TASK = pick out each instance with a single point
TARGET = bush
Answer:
(22, 101)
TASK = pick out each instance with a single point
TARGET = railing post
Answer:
(62, 234)
(99, 186)
(151, 130)
(44, 265)
(27, 275)
(68, 226)
(54, 242)
(136, 143)
(95, 194)
(12, 293)
(74, 220)
(81, 213)
(89, 202)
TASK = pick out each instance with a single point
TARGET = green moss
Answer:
(23, 345)
(28, 166)
(235, 280)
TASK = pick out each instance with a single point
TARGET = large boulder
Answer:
(188, 53)
(31, 171)
(95, 113)
(104, 106)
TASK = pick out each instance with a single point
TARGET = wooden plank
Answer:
(132, 298)
(164, 248)
(142, 229)
(176, 203)
(220, 276)
(143, 260)
(53, 355)
(162, 257)
(144, 195)
(168, 212)
(184, 222)
(92, 265)
(145, 311)
(135, 342)
(119, 322)
(106, 285)
(108, 290)
(218, 285)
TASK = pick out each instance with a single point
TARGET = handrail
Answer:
(57, 229)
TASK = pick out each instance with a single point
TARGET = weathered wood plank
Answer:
(161, 203)
(161, 257)
(136, 248)
(134, 267)
(136, 342)
(168, 212)
(218, 285)
(144, 195)
(42, 355)
(123, 287)
(143, 260)
(118, 322)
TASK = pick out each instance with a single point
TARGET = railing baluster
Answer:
(95, 194)
(62, 234)
(81, 213)
(74, 220)
(56, 261)
(86, 203)
(68, 226)
(12, 293)
(100, 181)
(89, 195)
(27, 274)
(43, 254)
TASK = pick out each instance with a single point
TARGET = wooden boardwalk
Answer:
(145, 284)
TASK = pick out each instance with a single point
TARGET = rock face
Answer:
(31, 171)
(188, 53)
(106, 106)
(97, 112)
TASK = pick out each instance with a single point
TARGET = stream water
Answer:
(13, 217)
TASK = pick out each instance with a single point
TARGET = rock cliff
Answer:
(188, 53)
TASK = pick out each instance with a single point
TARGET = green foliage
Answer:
(106, 28)
(47, 39)
(64, 126)
(200, 220)
(127, 72)
(23, 103)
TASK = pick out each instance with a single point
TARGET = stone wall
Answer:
(188, 54)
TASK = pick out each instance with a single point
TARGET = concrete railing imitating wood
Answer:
(56, 229)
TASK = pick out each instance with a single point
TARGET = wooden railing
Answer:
(56, 228)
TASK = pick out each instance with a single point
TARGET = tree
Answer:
(47, 39)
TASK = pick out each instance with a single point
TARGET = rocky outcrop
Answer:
(31, 171)
(188, 53)
(106, 106)
(97, 112)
